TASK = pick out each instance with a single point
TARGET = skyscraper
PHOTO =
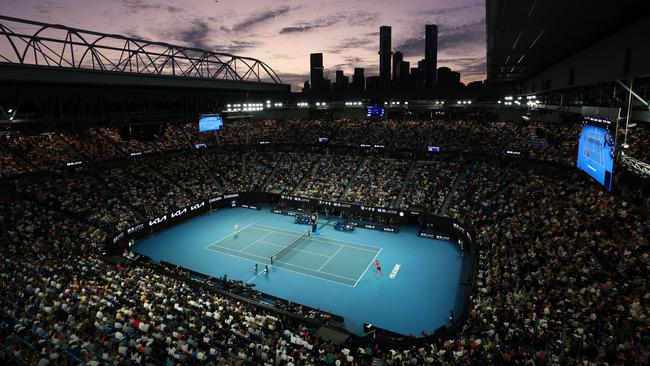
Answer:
(448, 78)
(398, 58)
(431, 54)
(384, 55)
(405, 66)
(316, 67)
(341, 80)
(358, 79)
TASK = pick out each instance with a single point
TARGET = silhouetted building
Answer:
(476, 84)
(448, 78)
(306, 87)
(373, 82)
(398, 58)
(358, 79)
(327, 85)
(431, 54)
(384, 55)
(417, 77)
(341, 81)
(316, 67)
(404, 74)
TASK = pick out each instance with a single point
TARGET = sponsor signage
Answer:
(343, 205)
(434, 235)
(251, 207)
(393, 273)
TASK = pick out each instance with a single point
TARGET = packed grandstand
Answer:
(562, 276)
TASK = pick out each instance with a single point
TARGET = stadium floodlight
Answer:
(499, 102)
(407, 103)
(469, 102)
(508, 98)
(226, 106)
(459, 102)
(385, 103)
(317, 103)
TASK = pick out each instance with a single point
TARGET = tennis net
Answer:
(288, 248)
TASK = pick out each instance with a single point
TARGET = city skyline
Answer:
(284, 33)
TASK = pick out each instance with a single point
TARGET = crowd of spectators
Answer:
(378, 183)
(62, 304)
(144, 189)
(429, 185)
(482, 181)
(258, 168)
(449, 135)
(92, 145)
(330, 176)
(10, 164)
(291, 169)
(637, 139)
(71, 193)
(187, 171)
(41, 150)
(562, 276)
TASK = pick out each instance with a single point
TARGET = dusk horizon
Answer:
(284, 33)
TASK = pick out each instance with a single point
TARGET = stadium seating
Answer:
(563, 267)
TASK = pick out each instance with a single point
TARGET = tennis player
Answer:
(378, 268)
(236, 230)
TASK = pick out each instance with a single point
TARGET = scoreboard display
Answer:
(375, 111)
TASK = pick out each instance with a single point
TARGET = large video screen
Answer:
(210, 122)
(376, 111)
(596, 150)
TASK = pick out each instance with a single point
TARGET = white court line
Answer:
(300, 250)
(324, 241)
(251, 244)
(284, 269)
(364, 272)
(333, 255)
(242, 229)
(295, 265)
(257, 275)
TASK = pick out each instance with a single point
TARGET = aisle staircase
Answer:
(459, 179)
(274, 172)
(207, 168)
(351, 181)
(405, 185)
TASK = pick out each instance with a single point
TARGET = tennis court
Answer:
(329, 259)
(594, 149)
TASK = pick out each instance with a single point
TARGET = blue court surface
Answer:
(332, 271)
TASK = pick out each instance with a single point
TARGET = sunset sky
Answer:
(283, 33)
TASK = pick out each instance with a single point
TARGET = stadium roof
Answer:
(525, 37)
